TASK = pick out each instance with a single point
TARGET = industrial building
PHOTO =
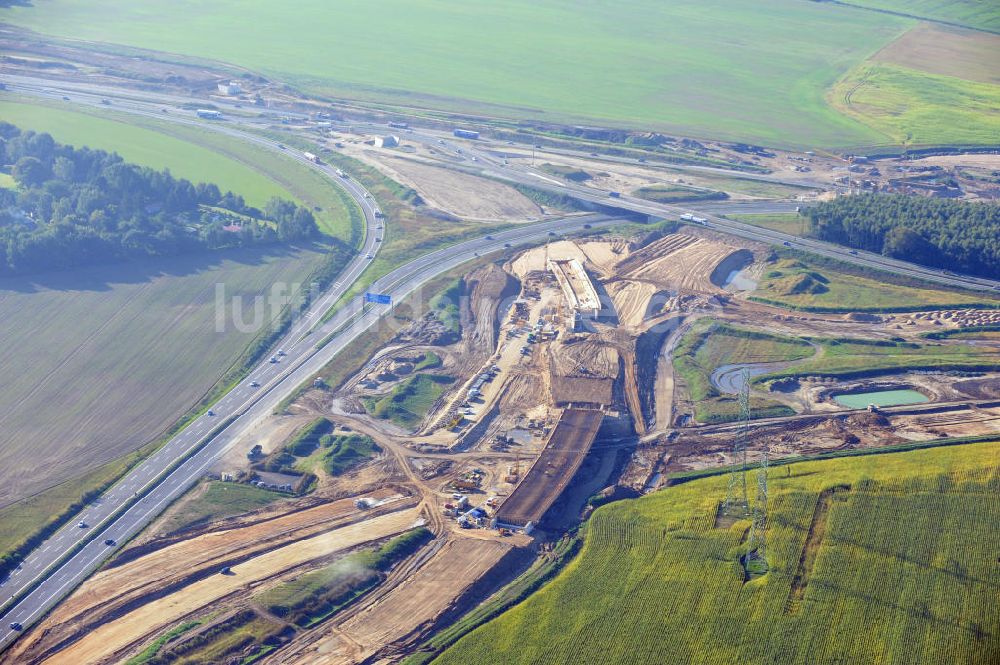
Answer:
(230, 88)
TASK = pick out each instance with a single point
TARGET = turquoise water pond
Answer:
(881, 398)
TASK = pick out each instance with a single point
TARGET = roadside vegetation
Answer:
(749, 187)
(408, 403)
(25, 524)
(566, 172)
(678, 194)
(801, 282)
(709, 345)
(217, 500)
(857, 572)
(848, 358)
(791, 223)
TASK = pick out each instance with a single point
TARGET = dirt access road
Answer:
(113, 637)
(181, 565)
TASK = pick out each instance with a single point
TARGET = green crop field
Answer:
(99, 361)
(912, 107)
(144, 146)
(709, 345)
(981, 14)
(800, 284)
(673, 66)
(199, 155)
(886, 559)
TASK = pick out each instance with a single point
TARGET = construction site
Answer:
(561, 385)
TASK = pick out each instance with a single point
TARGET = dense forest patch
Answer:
(76, 206)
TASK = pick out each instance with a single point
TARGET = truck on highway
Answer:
(688, 217)
(311, 157)
(341, 173)
(398, 125)
(466, 134)
(209, 114)
(615, 195)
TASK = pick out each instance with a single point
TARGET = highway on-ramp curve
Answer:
(65, 559)
(490, 160)
(43, 575)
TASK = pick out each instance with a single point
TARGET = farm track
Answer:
(814, 539)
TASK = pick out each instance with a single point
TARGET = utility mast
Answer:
(756, 559)
(737, 502)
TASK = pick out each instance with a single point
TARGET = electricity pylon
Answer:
(737, 502)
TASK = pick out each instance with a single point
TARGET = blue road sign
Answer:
(378, 298)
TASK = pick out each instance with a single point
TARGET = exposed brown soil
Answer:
(459, 194)
(166, 571)
(407, 610)
(946, 50)
(568, 444)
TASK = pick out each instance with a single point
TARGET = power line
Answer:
(737, 501)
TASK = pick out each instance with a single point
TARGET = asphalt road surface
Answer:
(65, 559)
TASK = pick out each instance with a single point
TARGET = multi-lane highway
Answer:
(66, 558)
(98, 523)
(490, 161)
(61, 563)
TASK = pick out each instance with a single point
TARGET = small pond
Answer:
(881, 398)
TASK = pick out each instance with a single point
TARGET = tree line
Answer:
(77, 206)
(942, 233)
